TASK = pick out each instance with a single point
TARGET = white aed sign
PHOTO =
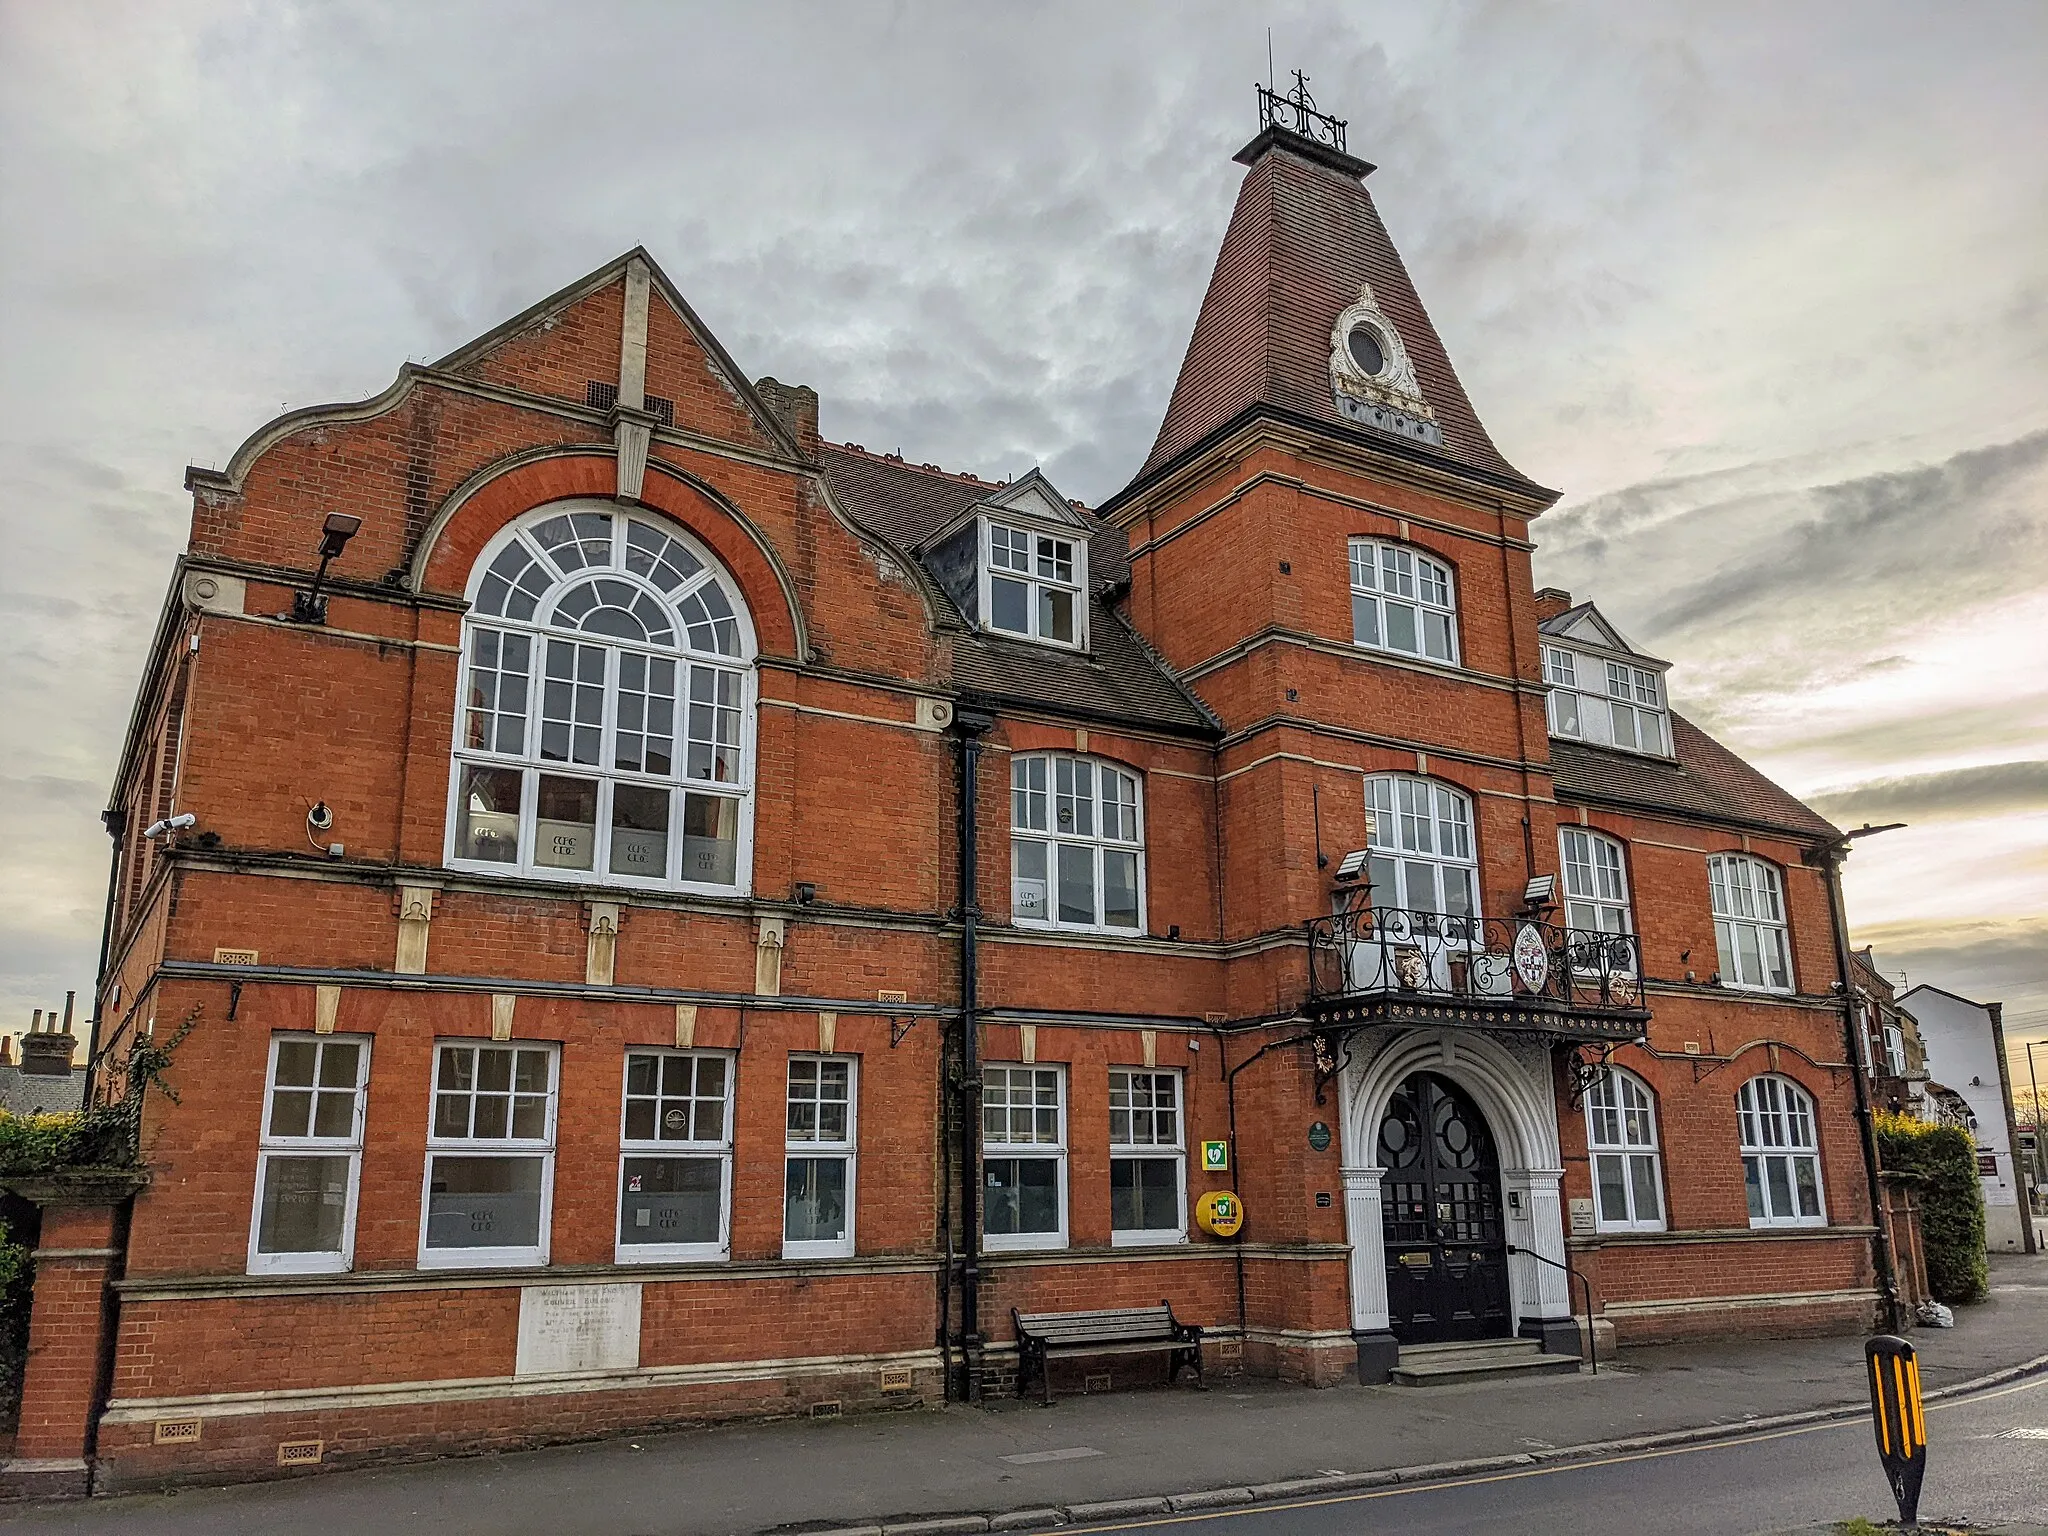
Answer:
(578, 1328)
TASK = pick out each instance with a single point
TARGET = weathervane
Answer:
(1298, 114)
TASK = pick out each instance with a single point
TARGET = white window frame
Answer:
(1635, 703)
(553, 583)
(1628, 704)
(1384, 574)
(1746, 895)
(1595, 885)
(503, 1147)
(1128, 1150)
(685, 1148)
(1410, 817)
(815, 1148)
(1772, 1113)
(1040, 581)
(1005, 1150)
(271, 1147)
(1621, 1126)
(1036, 803)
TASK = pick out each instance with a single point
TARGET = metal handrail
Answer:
(1592, 1334)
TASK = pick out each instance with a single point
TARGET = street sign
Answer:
(1219, 1213)
(1897, 1417)
(1215, 1157)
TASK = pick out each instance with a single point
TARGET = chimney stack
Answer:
(46, 1051)
(796, 407)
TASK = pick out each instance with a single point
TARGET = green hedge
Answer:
(99, 1137)
(1950, 1199)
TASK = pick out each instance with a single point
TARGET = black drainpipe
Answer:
(972, 725)
(116, 823)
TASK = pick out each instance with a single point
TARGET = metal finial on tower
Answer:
(1298, 114)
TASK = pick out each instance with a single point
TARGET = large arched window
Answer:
(605, 726)
(1401, 600)
(1749, 922)
(1077, 844)
(1422, 854)
(1621, 1138)
(1780, 1156)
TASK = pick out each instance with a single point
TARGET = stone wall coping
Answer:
(78, 1186)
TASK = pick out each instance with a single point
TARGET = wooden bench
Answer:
(1044, 1336)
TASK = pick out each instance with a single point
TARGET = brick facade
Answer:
(1236, 580)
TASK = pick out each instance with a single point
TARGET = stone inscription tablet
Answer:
(578, 1328)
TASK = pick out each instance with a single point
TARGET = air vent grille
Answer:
(664, 410)
(600, 396)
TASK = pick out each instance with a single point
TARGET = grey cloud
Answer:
(1913, 527)
(1988, 962)
(1990, 790)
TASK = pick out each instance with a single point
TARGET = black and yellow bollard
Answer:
(1897, 1417)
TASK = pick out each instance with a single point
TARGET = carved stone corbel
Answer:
(769, 937)
(415, 922)
(600, 957)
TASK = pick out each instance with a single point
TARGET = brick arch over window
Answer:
(494, 497)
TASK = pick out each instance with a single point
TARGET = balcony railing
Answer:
(1502, 961)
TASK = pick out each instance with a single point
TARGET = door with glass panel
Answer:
(1446, 1246)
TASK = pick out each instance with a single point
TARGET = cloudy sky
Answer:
(1763, 287)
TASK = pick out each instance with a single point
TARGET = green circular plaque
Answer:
(1319, 1137)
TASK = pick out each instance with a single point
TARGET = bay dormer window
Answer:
(1608, 703)
(1016, 564)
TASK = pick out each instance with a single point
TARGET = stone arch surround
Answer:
(1511, 1084)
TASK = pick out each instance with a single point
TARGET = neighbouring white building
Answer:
(1966, 1054)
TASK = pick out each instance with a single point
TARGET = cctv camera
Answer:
(320, 818)
(181, 821)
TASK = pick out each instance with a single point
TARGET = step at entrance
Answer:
(1442, 1365)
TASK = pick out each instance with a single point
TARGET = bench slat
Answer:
(1141, 1347)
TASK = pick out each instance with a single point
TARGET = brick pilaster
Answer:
(84, 1227)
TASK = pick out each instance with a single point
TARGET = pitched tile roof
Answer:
(1120, 679)
(1303, 238)
(1707, 780)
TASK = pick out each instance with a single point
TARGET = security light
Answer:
(1541, 891)
(1353, 865)
(310, 606)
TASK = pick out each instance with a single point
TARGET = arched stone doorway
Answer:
(1507, 1087)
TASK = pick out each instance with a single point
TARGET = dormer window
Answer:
(1016, 563)
(1034, 581)
(1609, 703)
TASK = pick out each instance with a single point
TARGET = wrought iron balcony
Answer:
(1388, 965)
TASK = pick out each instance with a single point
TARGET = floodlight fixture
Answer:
(1353, 865)
(310, 606)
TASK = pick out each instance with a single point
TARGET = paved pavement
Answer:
(897, 1468)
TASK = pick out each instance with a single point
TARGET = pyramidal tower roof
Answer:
(1305, 244)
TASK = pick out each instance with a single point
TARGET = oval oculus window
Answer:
(1366, 351)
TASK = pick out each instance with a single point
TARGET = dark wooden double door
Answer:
(1447, 1263)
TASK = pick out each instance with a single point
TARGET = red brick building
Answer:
(603, 1012)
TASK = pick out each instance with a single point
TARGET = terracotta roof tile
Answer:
(1303, 238)
(1706, 780)
(1119, 680)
